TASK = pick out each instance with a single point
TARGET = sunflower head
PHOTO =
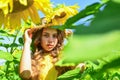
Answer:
(61, 13)
(13, 12)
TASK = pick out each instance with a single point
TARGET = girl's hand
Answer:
(28, 36)
(82, 66)
(68, 33)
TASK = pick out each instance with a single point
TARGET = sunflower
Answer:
(62, 13)
(12, 12)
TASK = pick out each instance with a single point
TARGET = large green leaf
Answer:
(97, 40)
(91, 47)
(70, 75)
(5, 55)
(89, 10)
(107, 19)
(111, 68)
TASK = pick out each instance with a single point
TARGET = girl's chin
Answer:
(48, 50)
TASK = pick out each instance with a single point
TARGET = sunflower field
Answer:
(96, 41)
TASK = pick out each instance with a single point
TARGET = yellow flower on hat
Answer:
(61, 13)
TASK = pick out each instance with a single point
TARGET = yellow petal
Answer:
(24, 2)
(34, 15)
(5, 10)
(11, 5)
(24, 15)
(1, 18)
(44, 6)
(4, 6)
(3, 3)
(14, 22)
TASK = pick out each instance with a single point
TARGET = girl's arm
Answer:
(25, 62)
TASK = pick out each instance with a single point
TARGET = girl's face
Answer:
(49, 39)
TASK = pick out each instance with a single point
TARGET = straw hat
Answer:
(45, 23)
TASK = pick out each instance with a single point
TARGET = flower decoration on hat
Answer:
(61, 13)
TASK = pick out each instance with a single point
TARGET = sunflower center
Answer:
(17, 6)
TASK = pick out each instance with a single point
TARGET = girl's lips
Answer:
(50, 46)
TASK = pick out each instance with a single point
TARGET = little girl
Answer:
(47, 44)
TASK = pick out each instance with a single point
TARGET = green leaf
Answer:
(2, 31)
(1, 38)
(112, 64)
(89, 10)
(109, 68)
(104, 21)
(70, 75)
(99, 39)
(21, 40)
(5, 55)
(5, 45)
(63, 27)
(91, 47)
(60, 27)
(5, 33)
(14, 45)
(107, 19)
(2, 72)
(117, 1)
(17, 54)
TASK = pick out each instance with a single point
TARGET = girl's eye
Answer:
(55, 36)
(46, 35)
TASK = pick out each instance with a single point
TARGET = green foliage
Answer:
(70, 75)
(6, 56)
(11, 53)
(96, 44)
(89, 10)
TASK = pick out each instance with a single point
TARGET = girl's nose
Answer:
(50, 39)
